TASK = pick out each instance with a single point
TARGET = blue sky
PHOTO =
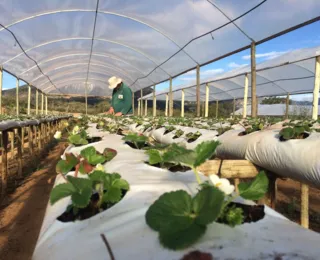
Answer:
(308, 36)
(305, 37)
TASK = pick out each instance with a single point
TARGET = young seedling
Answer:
(78, 136)
(191, 137)
(294, 132)
(169, 129)
(178, 134)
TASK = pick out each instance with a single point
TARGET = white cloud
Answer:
(236, 65)
(267, 55)
(211, 72)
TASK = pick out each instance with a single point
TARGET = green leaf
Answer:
(97, 176)
(79, 183)
(299, 130)
(207, 205)
(112, 195)
(81, 198)
(287, 133)
(121, 184)
(65, 166)
(181, 239)
(154, 156)
(179, 154)
(109, 154)
(171, 211)
(92, 156)
(61, 191)
(256, 189)
(77, 140)
(204, 151)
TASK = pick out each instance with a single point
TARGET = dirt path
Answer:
(22, 212)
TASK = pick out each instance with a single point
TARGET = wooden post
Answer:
(22, 140)
(39, 130)
(133, 103)
(29, 99)
(206, 113)
(198, 90)
(245, 96)
(217, 108)
(170, 99)
(46, 104)
(234, 107)
(86, 96)
(30, 140)
(37, 102)
(287, 106)
(154, 108)
(139, 107)
(254, 104)
(4, 175)
(304, 205)
(12, 134)
(1, 80)
(42, 103)
(182, 103)
(17, 96)
(19, 151)
(146, 108)
(167, 101)
(315, 103)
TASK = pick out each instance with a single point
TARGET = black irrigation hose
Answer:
(93, 33)
(13, 35)
(218, 28)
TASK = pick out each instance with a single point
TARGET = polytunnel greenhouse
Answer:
(125, 183)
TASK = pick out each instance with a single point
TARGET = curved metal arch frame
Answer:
(83, 54)
(89, 39)
(103, 12)
(93, 64)
(71, 80)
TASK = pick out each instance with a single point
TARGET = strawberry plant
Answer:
(253, 127)
(89, 196)
(78, 136)
(137, 141)
(191, 137)
(181, 219)
(85, 162)
(294, 132)
(169, 129)
(178, 134)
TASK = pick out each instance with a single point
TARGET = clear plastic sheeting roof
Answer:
(292, 73)
(59, 46)
(279, 110)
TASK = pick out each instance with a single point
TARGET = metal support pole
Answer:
(154, 111)
(304, 205)
(46, 105)
(1, 77)
(245, 96)
(29, 99)
(315, 103)
(133, 103)
(254, 104)
(234, 107)
(206, 113)
(42, 103)
(17, 97)
(167, 101)
(170, 99)
(146, 108)
(37, 102)
(217, 108)
(198, 91)
(182, 103)
(287, 106)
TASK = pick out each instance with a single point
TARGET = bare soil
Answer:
(22, 212)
